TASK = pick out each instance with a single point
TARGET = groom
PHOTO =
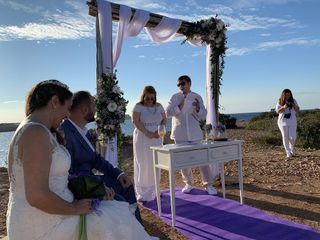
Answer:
(84, 157)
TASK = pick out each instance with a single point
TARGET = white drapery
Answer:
(105, 28)
(163, 32)
(128, 28)
(211, 111)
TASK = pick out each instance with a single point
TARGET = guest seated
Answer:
(40, 204)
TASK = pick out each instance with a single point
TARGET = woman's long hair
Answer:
(150, 90)
(39, 96)
(282, 99)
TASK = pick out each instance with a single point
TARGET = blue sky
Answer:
(272, 44)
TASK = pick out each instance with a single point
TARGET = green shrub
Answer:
(227, 120)
(265, 115)
(263, 124)
(274, 139)
(309, 129)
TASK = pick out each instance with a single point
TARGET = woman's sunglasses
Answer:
(149, 99)
(181, 84)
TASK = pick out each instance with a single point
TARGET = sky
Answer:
(272, 45)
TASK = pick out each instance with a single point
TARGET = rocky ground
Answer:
(289, 188)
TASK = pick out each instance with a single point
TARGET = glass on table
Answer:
(209, 133)
(162, 132)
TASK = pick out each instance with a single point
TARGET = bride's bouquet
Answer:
(86, 186)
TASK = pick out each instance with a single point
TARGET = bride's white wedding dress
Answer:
(26, 222)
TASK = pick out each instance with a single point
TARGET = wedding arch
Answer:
(210, 32)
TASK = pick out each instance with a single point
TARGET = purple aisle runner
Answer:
(201, 216)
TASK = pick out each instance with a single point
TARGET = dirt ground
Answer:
(289, 188)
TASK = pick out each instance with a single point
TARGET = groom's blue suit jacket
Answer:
(83, 159)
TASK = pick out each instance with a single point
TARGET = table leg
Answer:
(172, 197)
(240, 179)
(157, 172)
(223, 182)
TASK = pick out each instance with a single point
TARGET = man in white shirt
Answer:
(186, 109)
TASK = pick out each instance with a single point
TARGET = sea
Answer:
(127, 129)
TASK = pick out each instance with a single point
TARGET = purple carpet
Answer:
(201, 216)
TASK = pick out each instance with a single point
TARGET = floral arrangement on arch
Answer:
(92, 136)
(111, 106)
(211, 31)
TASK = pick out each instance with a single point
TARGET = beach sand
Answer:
(287, 188)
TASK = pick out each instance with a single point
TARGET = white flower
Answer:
(109, 126)
(116, 89)
(220, 25)
(112, 106)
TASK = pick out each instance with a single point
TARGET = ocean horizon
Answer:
(127, 129)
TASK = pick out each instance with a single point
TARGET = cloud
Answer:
(295, 41)
(198, 53)
(159, 59)
(264, 46)
(75, 24)
(308, 93)
(238, 51)
(250, 22)
(253, 3)
(147, 4)
(28, 8)
(12, 101)
(142, 45)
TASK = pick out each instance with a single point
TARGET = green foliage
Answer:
(269, 139)
(265, 115)
(309, 129)
(120, 138)
(111, 106)
(263, 124)
(224, 119)
(211, 31)
(228, 121)
(264, 121)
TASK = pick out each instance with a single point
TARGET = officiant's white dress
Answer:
(29, 223)
(150, 117)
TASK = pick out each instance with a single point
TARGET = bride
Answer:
(40, 204)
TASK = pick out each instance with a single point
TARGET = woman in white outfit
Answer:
(287, 107)
(147, 115)
(40, 204)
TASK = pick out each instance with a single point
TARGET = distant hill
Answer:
(8, 127)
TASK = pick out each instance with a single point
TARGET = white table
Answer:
(174, 157)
